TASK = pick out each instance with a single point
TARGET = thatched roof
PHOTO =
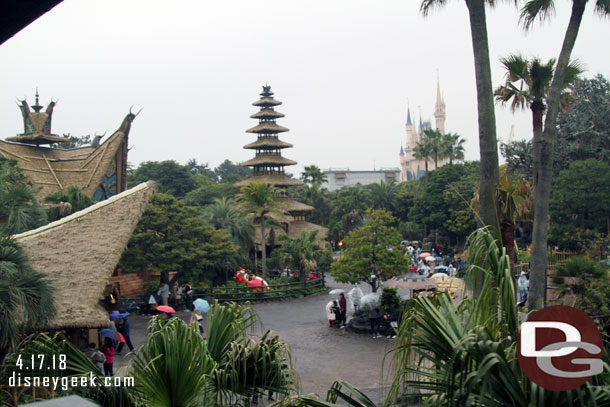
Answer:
(271, 142)
(264, 159)
(267, 114)
(279, 180)
(267, 128)
(295, 228)
(291, 205)
(53, 169)
(266, 102)
(79, 252)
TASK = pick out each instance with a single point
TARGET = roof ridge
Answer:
(81, 213)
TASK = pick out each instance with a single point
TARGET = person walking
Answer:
(355, 295)
(523, 284)
(163, 292)
(374, 320)
(123, 328)
(108, 351)
(188, 295)
(342, 310)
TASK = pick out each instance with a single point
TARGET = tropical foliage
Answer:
(371, 252)
(19, 210)
(303, 253)
(224, 214)
(68, 200)
(466, 355)
(173, 237)
(580, 203)
(261, 200)
(543, 153)
(26, 296)
(176, 366)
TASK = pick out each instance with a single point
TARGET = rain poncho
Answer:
(355, 296)
(369, 300)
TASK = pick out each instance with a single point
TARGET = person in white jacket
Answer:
(523, 284)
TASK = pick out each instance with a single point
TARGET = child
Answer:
(108, 350)
(96, 356)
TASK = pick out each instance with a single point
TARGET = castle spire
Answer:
(409, 122)
(439, 111)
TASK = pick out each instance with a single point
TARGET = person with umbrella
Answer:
(108, 351)
(123, 329)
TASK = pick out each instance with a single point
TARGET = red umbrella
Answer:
(166, 308)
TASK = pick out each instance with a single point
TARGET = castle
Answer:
(411, 167)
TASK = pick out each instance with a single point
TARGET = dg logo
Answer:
(560, 348)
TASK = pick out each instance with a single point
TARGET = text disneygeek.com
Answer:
(65, 383)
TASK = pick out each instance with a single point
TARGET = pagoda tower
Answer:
(268, 166)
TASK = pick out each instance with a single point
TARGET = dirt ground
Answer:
(321, 355)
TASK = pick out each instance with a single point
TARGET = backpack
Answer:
(98, 356)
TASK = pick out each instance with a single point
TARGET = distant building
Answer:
(337, 178)
(411, 167)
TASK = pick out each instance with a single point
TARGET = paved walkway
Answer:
(320, 354)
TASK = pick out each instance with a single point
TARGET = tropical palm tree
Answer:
(423, 151)
(516, 203)
(312, 174)
(453, 145)
(384, 195)
(467, 354)
(434, 140)
(488, 144)
(528, 84)
(302, 253)
(19, 209)
(26, 296)
(531, 11)
(224, 213)
(261, 200)
(176, 366)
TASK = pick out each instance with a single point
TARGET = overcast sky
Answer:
(345, 70)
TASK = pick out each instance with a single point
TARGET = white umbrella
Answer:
(430, 258)
(439, 275)
(336, 291)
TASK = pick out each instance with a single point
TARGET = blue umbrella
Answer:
(441, 267)
(201, 305)
(115, 315)
(124, 314)
(109, 333)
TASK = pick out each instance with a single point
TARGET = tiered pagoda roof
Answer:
(268, 162)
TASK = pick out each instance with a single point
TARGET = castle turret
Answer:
(439, 111)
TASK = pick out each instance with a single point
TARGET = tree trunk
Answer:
(542, 191)
(537, 114)
(488, 145)
(264, 249)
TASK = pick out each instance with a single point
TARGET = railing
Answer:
(276, 291)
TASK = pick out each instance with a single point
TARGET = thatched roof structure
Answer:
(295, 206)
(269, 168)
(279, 180)
(267, 128)
(79, 252)
(268, 159)
(266, 101)
(271, 142)
(100, 170)
(268, 113)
